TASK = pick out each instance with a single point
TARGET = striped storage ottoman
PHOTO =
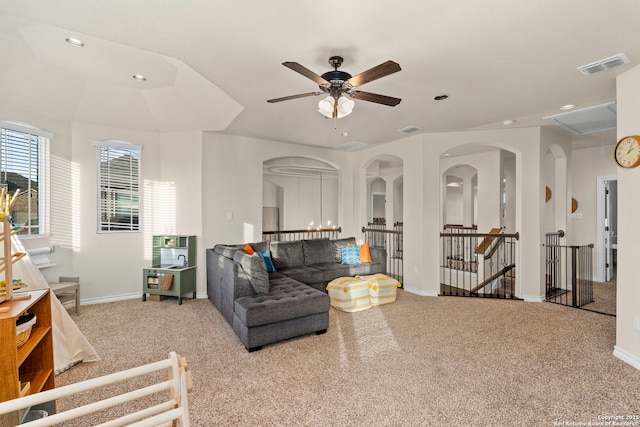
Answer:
(382, 288)
(349, 294)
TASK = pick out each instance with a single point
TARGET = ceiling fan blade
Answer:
(301, 95)
(374, 73)
(305, 72)
(374, 97)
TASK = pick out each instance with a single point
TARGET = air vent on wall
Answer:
(604, 64)
(587, 120)
(409, 129)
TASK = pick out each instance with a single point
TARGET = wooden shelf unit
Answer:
(33, 361)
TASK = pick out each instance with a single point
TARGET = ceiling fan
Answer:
(336, 84)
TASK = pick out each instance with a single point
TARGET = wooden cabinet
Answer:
(30, 367)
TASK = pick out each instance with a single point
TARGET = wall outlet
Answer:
(636, 322)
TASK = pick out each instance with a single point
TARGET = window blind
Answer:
(23, 159)
(118, 188)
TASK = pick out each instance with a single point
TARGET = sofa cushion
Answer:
(317, 251)
(227, 250)
(256, 271)
(287, 300)
(303, 273)
(350, 255)
(338, 244)
(260, 246)
(331, 270)
(287, 254)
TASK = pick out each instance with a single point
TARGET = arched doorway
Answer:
(299, 193)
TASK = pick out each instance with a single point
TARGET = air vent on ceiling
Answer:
(604, 64)
(351, 146)
(587, 120)
(409, 129)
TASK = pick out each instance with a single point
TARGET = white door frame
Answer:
(600, 243)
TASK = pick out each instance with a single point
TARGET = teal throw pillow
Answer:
(266, 256)
(350, 254)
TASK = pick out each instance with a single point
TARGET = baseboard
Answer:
(123, 297)
(421, 292)
(110, 298)
(626, 357)
(538, 298)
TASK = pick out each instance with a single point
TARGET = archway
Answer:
(301, 192)
(384, 190)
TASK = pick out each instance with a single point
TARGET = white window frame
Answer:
(115, 215)
(42, 156)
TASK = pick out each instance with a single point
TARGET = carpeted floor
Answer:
(419, 361)
(604, 298)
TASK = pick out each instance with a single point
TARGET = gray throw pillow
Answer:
(337, 247)
(256, 270)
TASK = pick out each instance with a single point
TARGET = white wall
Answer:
(110, 265)
(628, 291)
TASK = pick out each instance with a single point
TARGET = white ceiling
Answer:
(211, 65)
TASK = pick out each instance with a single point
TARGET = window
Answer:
(24, 160)
(118, 187)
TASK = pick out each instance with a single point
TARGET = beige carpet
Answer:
(604, 298)
(418, 361)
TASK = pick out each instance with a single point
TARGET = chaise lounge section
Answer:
(266, 307)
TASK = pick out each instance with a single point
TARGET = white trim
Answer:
(23, 127)
(600, 256)
(421, 292)
(111, 298)
(116, 143)
(124, 297)
(537, 298)
(626, 357)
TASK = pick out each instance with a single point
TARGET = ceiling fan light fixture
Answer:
(325, 106)
(344, 108)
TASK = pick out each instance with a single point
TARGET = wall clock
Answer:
(627, 152)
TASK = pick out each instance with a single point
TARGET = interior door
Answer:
(608, 249)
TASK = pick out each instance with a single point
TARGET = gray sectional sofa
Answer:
(265, 307)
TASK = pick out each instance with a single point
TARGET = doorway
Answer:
(607, 228)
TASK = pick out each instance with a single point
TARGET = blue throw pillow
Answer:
(350, 254)
(266, 256)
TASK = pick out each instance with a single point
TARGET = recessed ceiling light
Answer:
(440, 97)
(139, 77)
(508, 122)
(74, 41)
(447, 154)
(345, 134)
(568, 107)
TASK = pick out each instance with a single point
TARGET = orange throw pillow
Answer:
(248, 249)
(365, 255)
